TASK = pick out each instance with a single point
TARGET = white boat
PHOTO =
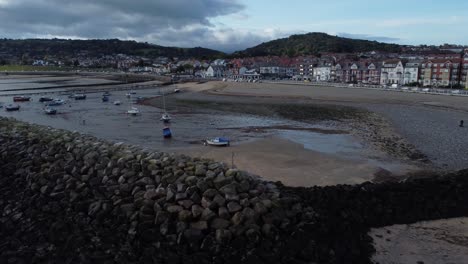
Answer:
(117, 102)
(50, 111)
(166, 118)
(129, 94)
(220, 142)
(134, 111)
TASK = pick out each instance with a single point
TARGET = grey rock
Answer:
(185, 215)
(170, 195)
(223, 213)
(223, 236)
(207, 215)
(245, 202)
(229, 189)
(219, 223)
(191, 180)
(234, 207)
(210, 193)
(181, 187)
(187, 204)
(238, 218)
(210, 175)
(200, 170)
(150, 194)
(231, 172)
(214, 166)
(206, 203)
(249, 213)
(180, 196)
(260, 208)
(174, 209)
(244, 186)
(193, 235)
(219, 200)
(169, 178)
(197, 210)
(202, 186)
(191, 190)
(221, 181)
(195, 197)
(200, 225)
(161, 217)
(232, 197)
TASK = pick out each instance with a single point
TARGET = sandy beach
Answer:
(299, 135)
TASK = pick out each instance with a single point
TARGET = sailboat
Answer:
(166, 118)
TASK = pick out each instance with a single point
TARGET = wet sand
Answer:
(431, 242)
(278, 159)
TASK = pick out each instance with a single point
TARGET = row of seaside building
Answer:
(449, 70)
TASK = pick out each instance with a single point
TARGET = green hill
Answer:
(315, 43)
(97, 47)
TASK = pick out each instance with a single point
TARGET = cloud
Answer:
(369, 37)
(174, 22)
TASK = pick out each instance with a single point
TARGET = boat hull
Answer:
(21, 99)
(167, 132)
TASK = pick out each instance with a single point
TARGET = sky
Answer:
(230, 25)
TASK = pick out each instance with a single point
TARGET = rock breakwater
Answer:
(71, 198)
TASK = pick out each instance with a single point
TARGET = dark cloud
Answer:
(173, 23)
(369, 37)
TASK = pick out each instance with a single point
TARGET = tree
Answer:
(76, 63)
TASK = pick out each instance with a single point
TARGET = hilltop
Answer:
(313, 44)
(98, 47)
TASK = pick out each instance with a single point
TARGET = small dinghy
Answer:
(50, 111)
(117, 102)
(12, 107)
(106, 94)
(21, 99)
(56, 102)
(167, 132)
(79, 96)
(166, 118)
(105, 98)
(219, 142)
(45, 99)
(134, 111)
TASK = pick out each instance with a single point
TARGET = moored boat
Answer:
(134, 111)
(50, 111)
(219, 141)
(166, 118)
(21, 98)
(117, 102)
(79, 96)
(105, 99)
(45, 99)
(167, 132)
(12, 107)
(56, 102)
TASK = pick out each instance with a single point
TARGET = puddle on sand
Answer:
(336, 144)
(344, 146)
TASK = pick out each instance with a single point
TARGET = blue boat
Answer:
(105, 99)
(167, 132)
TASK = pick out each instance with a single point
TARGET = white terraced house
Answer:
(392, 72)
(411, 74)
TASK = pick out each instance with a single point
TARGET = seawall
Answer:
(72, 198)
